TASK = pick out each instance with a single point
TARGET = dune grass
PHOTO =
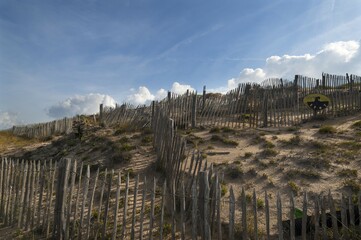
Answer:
(7, 139)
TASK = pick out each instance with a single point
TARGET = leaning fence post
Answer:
(244, 214)
(267, 215)
(59, 214)
(255, 220)
(292, 217)
(115, 227)
(231, 214)
(194, 211)
(333, 216)
(279, 217)
(132, 235)
(304, 216)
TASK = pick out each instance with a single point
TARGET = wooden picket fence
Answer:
(125, 114)
(57, 200)
(273, 103)
(43, 130)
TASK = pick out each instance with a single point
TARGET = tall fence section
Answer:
(61, 200)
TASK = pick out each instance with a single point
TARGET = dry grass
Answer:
(7, 139)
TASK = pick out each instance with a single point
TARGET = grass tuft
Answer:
(327, 129)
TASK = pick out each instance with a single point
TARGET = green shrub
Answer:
(127, 147)
(268, 144)
(269, 152)
(235, 172)
(356, 124)
(260, 203)
(294, 187)
(224, 140)
(327, 129)
(224, 189)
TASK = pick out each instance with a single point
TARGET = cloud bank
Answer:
(8, 119)
(80, 104)
(144, 96)
(337, 58)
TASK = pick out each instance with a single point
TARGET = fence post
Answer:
(255, 220)
(279, 217)
(62, 184)
(304, 216)
(265, 108)
(204, 98)
(194, 211)
(194, 110)
(101, 114)
(231, 214)
(204, 201)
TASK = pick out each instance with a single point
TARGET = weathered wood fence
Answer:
(63, 201)
(135, 117)
(41, 130)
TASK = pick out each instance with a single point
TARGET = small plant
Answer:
(347, 173)
(127, 147)
(237, 162)
(215, 130)
(294, 141)
(327, 129)
(351, 145)
(356, 124)
(294, 187)
(167, 229)
(235, 172)
(316, 163)
(224, 189)
(252, 172)
(269, 144)
(269, 152)
(309, 174)
(248, 198)
(147, 139)
(124, 140)
(224, 140)
(353, 185)
(292, 129)
(260, 203)
(248, 154)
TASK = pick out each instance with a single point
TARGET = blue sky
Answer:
(54, 54)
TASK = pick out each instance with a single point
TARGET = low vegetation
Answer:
(224, 140)
(327, 129)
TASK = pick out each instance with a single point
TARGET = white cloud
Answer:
(144, 96)
(180, 88)
(8, 119)
(336, 58)
(80, 104)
